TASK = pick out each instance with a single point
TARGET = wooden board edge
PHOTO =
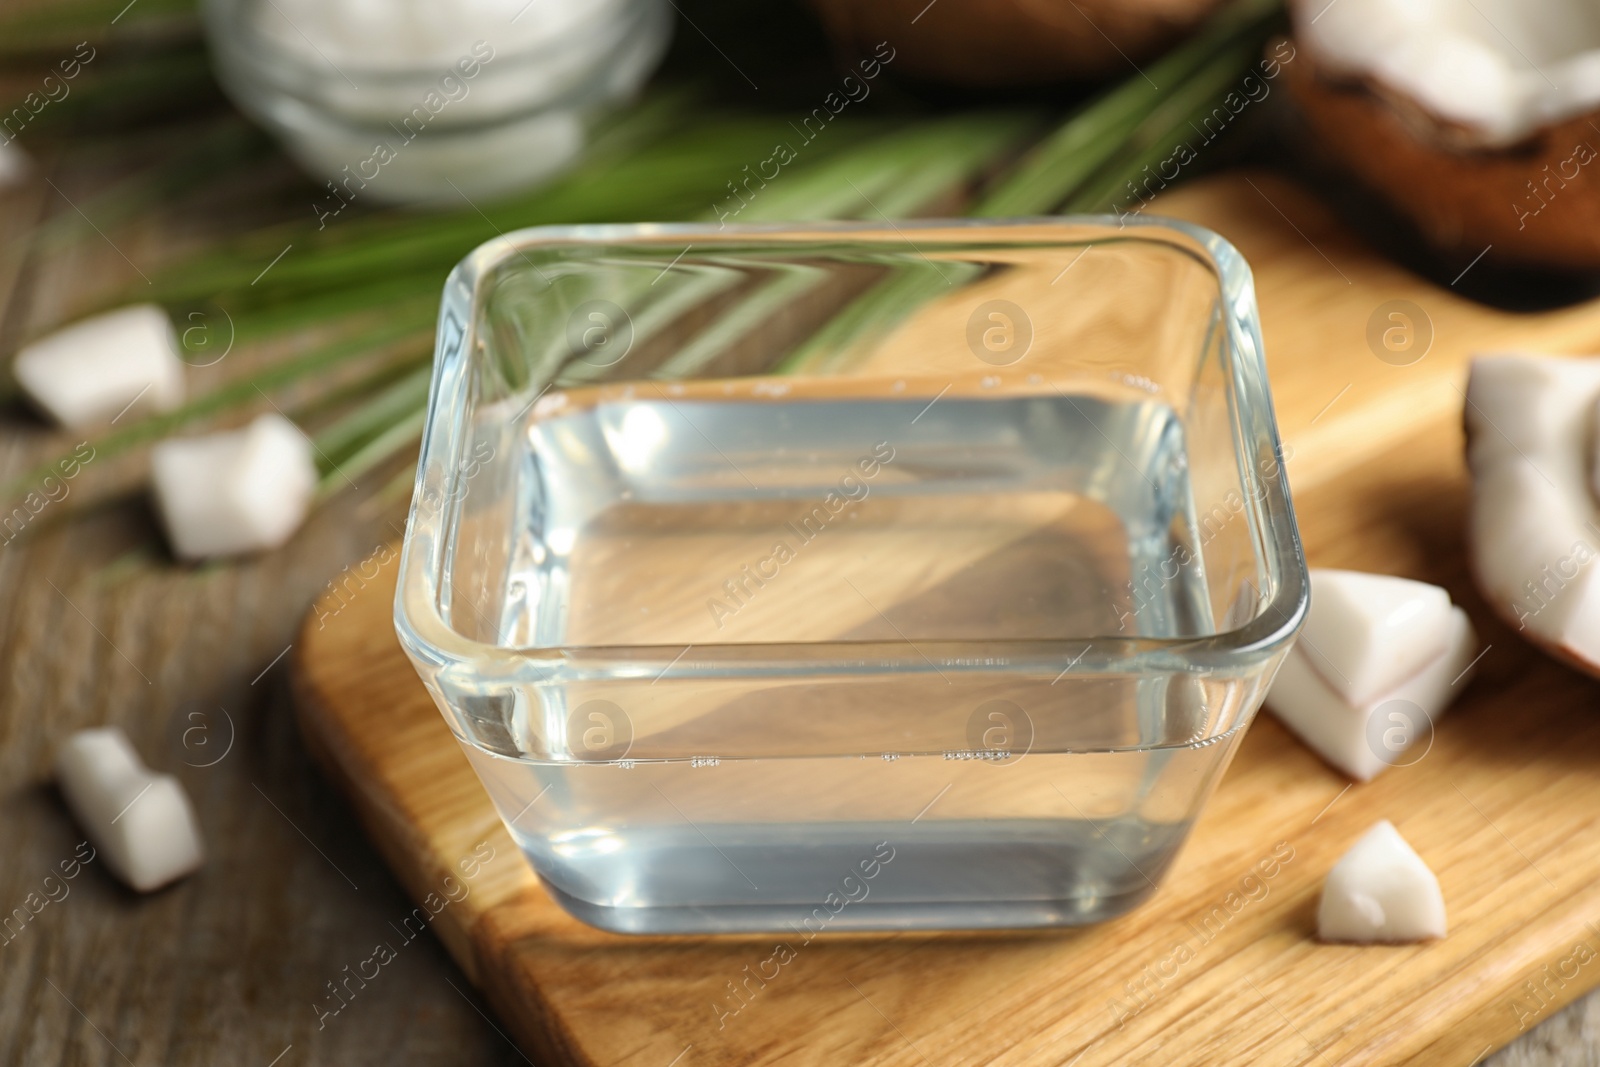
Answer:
(468, 934)
(389, 832)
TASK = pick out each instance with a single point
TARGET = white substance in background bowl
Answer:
(238, 491)
(394, 34)
(504, 158)
(386, 59)
(92, 370)
(1535, 528)
(141, 822)
(433, 100)
(1503, 68)
(1381, 891)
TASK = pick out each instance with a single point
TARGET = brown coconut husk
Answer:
(1537, 202)
(1012, 42)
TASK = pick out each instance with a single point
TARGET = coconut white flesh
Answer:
(1502, 68)
(1381, 890)
(1535, 528)
(1346, 734)
(141, 823)
(240, 491)
(15, 164)
(1367, 633)
(93, 370)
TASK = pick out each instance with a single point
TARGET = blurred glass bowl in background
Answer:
(417, 102)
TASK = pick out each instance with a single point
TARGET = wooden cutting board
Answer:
(1221, 966)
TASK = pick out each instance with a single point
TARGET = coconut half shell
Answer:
(1536, 201)
(1012, 42)
(1534, 525)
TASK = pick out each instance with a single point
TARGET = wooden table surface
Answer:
(99, 626)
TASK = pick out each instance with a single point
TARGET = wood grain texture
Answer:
(98, 625)
(1505, 806)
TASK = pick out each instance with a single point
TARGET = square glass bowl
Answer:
(845, 576)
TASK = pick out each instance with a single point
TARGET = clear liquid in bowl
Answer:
(690, 521)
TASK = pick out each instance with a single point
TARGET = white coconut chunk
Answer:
(1535, 526)
(1502, 68)
(1367, 633)
(1458, 79)
(1381, 891)
(1363, 739)
(15, 165)
(1530, 406)
(140, 821)
(98, 367)
(233, 492)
